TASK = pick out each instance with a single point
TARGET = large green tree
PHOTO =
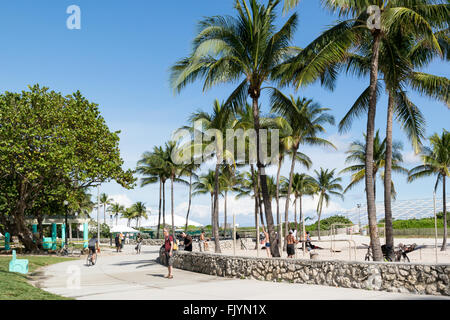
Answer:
(49, 140)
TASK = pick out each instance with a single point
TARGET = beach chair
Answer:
(18, 265)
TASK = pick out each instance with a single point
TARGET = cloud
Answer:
(121, 199)
(410, 158)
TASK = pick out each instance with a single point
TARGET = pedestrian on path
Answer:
(290, 239)
(168, 251)
(117, 241)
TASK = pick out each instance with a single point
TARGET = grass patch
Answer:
(14, 286)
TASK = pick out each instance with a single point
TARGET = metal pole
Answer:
(435, 226)
(98, 214)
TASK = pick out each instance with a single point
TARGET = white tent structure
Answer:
(123, 228)
(179, 221)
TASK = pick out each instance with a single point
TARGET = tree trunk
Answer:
(300, 219)
(288, 196)
(104, 213)
(171, 206)
(295, 212)
(159, 214)
(318, 220)
(225, 213)
(252, 170)
(277, 197)
(261, 211)
(370, 196)
(212, 213)
(216, 210)
(388, 181)
(164, 204)
(267, 205)
(444, 200)
(190, 201)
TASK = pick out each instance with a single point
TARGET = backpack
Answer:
(175, 245)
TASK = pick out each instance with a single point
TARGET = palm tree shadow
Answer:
(140, 263)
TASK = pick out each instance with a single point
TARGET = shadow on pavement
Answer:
(138, 262)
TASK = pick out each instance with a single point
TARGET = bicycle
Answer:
(369, 255)
(90, 260)
(138, 248)
(65, 251)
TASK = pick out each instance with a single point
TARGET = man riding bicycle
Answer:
(93, 246)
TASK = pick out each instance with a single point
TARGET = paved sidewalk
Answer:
(138, 277)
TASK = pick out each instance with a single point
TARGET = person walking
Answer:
(122, 240)
(138, 243)
(168, 251)
(291, 241)
(187, 240)
(117, 241)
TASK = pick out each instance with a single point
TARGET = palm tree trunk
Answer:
(104, 213)
(444, 201)
(267, 205)
(164, 204)
(225, 213)
(300, 218)
(370, 196)
(216, 210)
(319, 213)
(295, 213)
(190, 201)
(286, 207)
(171, 206)
(159, 215)
(388, 181)
(255, 192)
(277, 197)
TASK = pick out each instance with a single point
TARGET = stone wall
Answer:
(225, 245)
(392, 277)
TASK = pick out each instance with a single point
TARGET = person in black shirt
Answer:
(187, 242)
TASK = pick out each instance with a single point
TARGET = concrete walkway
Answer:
(125, 275)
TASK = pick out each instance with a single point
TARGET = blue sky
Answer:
(120, 60)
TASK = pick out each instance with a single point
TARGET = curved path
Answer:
(122, 276)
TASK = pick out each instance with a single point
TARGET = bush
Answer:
(325, 224)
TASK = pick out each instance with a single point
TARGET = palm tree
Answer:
(206, 184)
(247, 49)
(323, 56)
(152, 167)
(140, 211)
(357, 155)
(305, 119)
(219, 120)
(189, 170)
(230, 179)
(302, 185)
(399, 55)
(436, 160)
(116, 209)
(169, 157)
(327, 184)
(129, 214)
(104, 200)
